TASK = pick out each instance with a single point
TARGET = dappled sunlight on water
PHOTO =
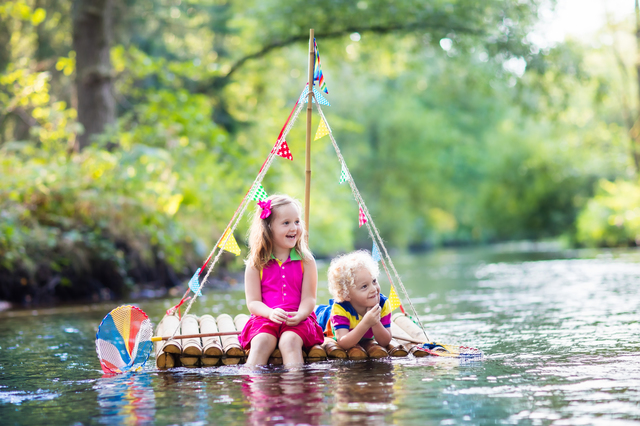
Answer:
(559, 332)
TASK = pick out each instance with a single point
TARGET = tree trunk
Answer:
(92, 27)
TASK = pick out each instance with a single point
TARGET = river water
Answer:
(559, 331)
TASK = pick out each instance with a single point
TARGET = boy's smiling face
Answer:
(366, 293)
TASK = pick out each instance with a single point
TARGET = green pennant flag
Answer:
(259, 194)
(343, 176)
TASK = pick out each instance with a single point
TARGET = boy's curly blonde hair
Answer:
(343, 270)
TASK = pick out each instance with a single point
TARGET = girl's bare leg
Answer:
(262, 347)
(291, 348)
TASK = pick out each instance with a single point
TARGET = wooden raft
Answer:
(226, 350)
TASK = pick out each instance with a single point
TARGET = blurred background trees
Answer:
(130, 130)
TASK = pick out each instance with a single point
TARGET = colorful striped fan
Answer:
(123, 340)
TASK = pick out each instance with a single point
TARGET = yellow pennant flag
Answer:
(394, 300)
(231, 246)
(322, 130)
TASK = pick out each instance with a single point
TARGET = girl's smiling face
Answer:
(286, 227)
(366, 292)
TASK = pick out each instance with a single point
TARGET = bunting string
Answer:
(233, 223)
(373, 230)
(238, 214)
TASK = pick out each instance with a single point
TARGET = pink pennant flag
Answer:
(361, 218)
(284, 151)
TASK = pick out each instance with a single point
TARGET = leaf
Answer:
(38, 16)
(172, 206)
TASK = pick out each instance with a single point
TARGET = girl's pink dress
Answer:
(282, 288)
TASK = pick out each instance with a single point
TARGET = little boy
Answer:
(359, 311)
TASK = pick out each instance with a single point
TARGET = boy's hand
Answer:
(294, 318)
(278, 315)
(372, 317)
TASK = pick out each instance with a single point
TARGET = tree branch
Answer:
(376, 29)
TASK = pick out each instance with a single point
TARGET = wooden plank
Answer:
(374, 350)
(316, 351)
(230, 360)
(396, 349)
(209, 361)
(165, 328)
(190, 347)
(190, 361)
(211, 346)
(333, 350)
(165, 360)
(418, 352)
(413, 348)
(230, 344)
(357, 352)
(240, 321)
(275, 361)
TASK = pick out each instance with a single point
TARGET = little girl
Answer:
(280, 284)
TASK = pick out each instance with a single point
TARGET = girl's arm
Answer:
(308, 295)
(253, 294)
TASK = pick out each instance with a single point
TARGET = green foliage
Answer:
(60, 206)
(447, 136)
(612, 217)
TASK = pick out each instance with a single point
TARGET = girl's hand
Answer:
(278, 315)
(294, 318)
(372, 317)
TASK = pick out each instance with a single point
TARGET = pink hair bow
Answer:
(266, 209)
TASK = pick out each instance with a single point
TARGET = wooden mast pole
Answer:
(307, 176)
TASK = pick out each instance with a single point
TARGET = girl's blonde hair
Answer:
(261, 238)
(343, 269)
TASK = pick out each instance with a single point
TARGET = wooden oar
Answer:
(194, 336)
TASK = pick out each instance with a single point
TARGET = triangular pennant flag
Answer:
(231, 246)
(258, 193)
(317, 96)
(343, 176)
(194, 284)
(361, 218)
(284, 151)
(375, 253)
(394, 300)
(304, 93)
(322, 130)
(317, 70)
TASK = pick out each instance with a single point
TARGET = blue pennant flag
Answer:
(375, 253)
(317, 95)
(194, 285)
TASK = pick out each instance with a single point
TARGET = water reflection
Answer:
(126, 399)
(364, 393)
(290, 397)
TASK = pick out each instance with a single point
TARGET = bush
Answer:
(612, 217)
